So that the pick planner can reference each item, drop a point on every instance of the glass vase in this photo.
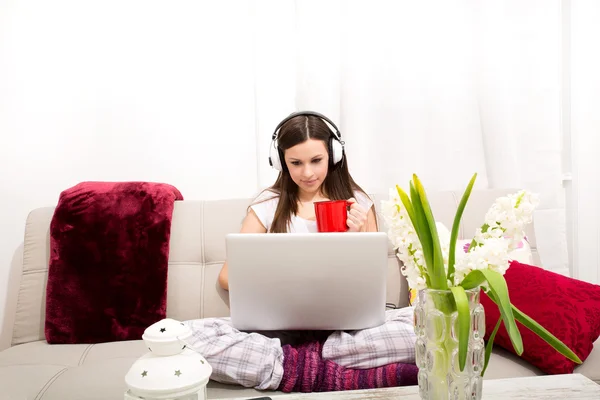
(436, 323)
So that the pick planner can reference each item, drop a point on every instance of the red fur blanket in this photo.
(109, 249)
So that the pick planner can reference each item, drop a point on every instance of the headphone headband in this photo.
(335, 131)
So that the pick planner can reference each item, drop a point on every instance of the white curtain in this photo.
(189, 93)
(520, 91)
(585, 131)
(442, 89)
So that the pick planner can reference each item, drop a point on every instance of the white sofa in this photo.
(32, 369)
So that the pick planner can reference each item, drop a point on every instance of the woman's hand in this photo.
(357, 217)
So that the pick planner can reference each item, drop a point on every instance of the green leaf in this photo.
(464, 323)
(473, 243)
(499, 294)
(548, 337)
(456, 225)
(490, 344)
(438, 258)
(412, 214)
(406, 201)
(423, 232)
(472, 280)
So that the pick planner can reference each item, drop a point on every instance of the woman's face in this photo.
(308, 164)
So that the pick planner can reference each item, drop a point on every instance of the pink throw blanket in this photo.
(304, 370)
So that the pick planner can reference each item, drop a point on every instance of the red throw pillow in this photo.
(566, 307)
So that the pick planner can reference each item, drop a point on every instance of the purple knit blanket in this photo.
(304, 370)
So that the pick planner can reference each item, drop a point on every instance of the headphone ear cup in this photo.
(274, 159)
(337, 150)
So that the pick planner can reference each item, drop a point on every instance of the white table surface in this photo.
(570, 386)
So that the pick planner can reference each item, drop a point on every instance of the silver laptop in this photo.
(307, 281)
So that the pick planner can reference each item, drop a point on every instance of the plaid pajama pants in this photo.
(255, 359)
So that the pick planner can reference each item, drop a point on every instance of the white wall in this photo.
(117, 90)
(585, 132)
(189, 92)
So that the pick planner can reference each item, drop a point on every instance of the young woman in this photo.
(313, 167)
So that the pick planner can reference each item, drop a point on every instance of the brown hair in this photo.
(338, 184)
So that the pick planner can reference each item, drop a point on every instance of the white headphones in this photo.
(335, 145)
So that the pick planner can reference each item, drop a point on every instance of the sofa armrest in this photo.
(12, 294)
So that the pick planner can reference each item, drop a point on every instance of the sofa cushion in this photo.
(591, 366)
(49, 371)
(25, 382)
(43, 371)
(40, 353)
(504, 364)
(567, 307)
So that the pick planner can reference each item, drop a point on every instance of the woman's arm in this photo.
(251, 224)
(371, 224)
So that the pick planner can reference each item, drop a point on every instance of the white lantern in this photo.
(170, 370)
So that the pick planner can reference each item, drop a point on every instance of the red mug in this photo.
(332, 215)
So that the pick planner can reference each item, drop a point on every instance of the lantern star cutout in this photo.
(178, 373)
(144, 374)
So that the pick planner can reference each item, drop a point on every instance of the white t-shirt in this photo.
(265, 210)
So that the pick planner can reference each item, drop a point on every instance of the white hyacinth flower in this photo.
(492, 254)
(502, 231)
